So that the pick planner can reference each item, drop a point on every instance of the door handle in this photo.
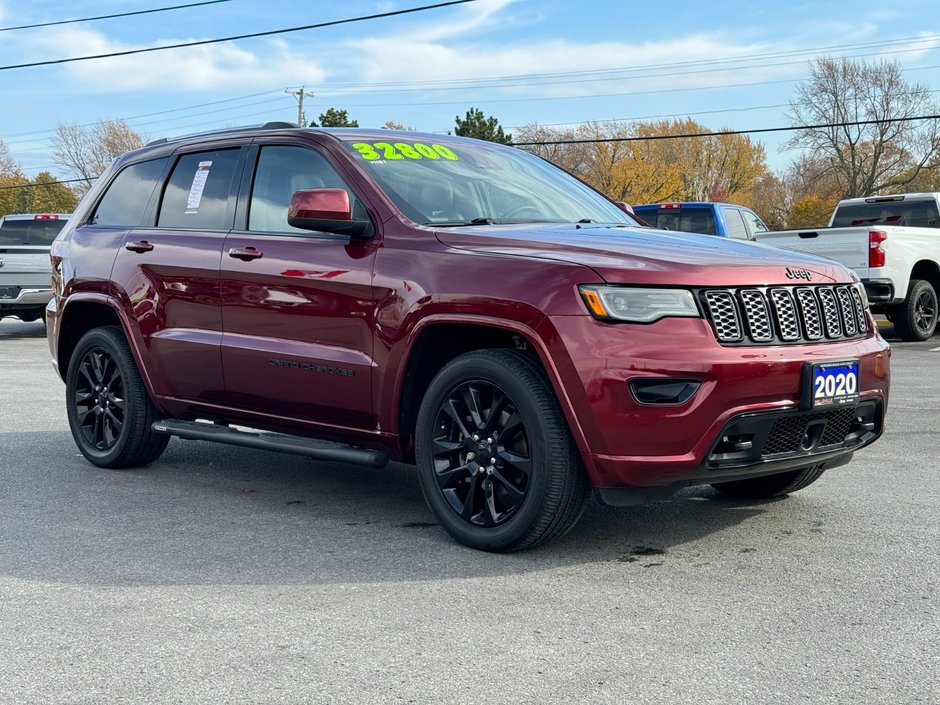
(142, 246)
(245, 253)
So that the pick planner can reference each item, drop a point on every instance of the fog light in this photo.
(663, 391)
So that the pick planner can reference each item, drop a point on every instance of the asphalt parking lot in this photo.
(224, 575)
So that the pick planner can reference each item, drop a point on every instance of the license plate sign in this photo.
(830, 384)
(9, 292)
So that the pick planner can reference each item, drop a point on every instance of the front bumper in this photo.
(745, 391)
(767, 443)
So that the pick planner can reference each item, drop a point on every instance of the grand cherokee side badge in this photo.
(799, 274)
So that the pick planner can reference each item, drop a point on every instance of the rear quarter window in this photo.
(127, 198)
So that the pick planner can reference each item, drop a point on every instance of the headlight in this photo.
(864, 294)
(622, 303)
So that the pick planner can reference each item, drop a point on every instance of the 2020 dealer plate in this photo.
(830, 384)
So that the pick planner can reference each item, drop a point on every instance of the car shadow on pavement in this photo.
(15, 329)
(211, 514)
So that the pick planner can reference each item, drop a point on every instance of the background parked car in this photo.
(25, 270)
(722, 219)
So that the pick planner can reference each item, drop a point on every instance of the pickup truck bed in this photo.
(893, 244)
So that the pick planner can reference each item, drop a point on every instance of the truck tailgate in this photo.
(848, 246)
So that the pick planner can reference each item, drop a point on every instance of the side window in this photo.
(198, 192)
(126, 199)
(280, 172)
(733, 223)
(754, 224)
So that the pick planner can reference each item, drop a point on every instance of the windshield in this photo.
(688, 219)
(921, 214)
(30, 232)
(459, 182)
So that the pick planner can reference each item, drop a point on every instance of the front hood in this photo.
(626, 255)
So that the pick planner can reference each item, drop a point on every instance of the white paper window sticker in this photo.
(199, 185)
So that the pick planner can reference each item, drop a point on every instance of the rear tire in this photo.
(496, 461)
(771, 486)
(916, 318)
(110, 413)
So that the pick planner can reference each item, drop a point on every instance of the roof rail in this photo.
(274, 125)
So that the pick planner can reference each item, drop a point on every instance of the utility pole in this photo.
(299, 93)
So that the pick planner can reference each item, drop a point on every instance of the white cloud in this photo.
(210, 67)
(385, 60)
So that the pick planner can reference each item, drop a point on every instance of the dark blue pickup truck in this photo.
(722, 219)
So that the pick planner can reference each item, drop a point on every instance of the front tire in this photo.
(771, 486)
(916, 318)
(496, 461)
(110, 414)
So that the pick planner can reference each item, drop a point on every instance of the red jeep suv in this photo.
(366, 295)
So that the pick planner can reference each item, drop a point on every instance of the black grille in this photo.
(761, 316)
(787, 433)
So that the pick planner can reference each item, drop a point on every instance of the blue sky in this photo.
(726, 64)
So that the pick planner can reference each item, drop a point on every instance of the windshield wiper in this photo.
(461, 223)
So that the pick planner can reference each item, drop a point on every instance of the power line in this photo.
(269, 33)
(109, 17)
(652, 138)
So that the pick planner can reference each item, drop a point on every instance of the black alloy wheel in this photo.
(925, 312)
(481, 453)
(496, 461)
(916, 318)
(99, 399)
(110, 413)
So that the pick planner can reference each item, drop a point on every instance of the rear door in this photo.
(167, 271)
(297, 306)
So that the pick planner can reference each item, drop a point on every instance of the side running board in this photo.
(314, 448)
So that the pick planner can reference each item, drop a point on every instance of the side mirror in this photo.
(326, 210)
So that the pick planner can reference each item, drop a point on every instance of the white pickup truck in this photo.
(893, 244)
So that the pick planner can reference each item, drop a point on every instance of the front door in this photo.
(297, 306)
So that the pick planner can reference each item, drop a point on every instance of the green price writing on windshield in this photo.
(403, 150)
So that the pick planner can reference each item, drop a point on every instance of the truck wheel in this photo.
(916, 318)
(496, 461)
(109, 411)
(771, 486)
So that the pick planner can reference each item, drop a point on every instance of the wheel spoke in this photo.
(450, 409)
(490, 503)
(466, 511)
(96, 367)
(85, 370)
(83, 414)
(97, 433)
(472, 400)
(514, 493)
(496, 410)
(520, 462)
(444, 448)
(512, 426)
(449, 476)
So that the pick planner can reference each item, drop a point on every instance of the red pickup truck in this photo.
(366, 295)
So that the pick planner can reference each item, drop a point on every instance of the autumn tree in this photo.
(334, 117)
(888, 152)
(11, 182)
(46, 194)
(83, 151)
(393, 125)
(653, 162)
(475, 124)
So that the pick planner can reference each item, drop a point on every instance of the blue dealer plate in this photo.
(830, 384)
